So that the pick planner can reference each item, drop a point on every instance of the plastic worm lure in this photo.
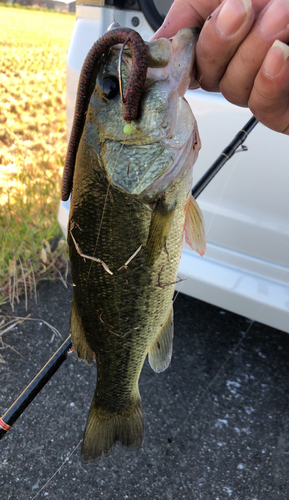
(131, 95)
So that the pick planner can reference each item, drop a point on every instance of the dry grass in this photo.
(32, 146)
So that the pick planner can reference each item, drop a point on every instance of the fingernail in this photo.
(232, 15)
(275, 19)
(275, 59)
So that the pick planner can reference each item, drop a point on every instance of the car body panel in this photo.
(246, 206)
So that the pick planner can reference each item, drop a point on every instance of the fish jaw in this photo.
(180, 57)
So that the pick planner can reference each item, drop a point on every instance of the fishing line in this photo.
(63, 463)
(105, 201)
(190, 412)
(129, 129)
(222, 193)
(178, 291)
(64, 350)
(217, 374)
(214, 214)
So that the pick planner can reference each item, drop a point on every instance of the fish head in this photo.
(164, 140)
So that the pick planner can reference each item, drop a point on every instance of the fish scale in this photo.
(122, 232)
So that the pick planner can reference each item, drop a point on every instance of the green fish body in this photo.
(127, 219)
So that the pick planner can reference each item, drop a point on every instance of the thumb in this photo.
(269, 99)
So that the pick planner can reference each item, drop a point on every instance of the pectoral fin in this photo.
(160, 352)
(79, 342)
(159, 230)
(195, 227)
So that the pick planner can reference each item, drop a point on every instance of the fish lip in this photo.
(180, 68)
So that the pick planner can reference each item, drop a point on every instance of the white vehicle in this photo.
(246, 206)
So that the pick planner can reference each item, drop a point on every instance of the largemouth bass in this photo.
(130, 206)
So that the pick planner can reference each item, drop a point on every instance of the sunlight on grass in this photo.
(32, 146)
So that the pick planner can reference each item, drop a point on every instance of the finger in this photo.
(238, 80)
(220, 38)
(269, 99)
(185, 14)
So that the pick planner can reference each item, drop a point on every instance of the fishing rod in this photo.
(64, 351)
(35, 386)
(228, 152)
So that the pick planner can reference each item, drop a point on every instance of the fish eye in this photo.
(110, 87)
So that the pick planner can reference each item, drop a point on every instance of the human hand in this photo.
(241, 52)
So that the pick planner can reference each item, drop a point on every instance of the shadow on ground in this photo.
(216, 421)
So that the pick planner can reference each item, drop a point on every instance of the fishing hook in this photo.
(119, 69)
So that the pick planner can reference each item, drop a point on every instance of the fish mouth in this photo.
(162, 144)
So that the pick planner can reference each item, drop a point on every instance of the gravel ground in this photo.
(216, 421)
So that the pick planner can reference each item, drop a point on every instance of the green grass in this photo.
(32, 145)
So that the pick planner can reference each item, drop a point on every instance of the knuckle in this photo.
(234, 94)
(270, 110)
(209, 71)
(262, 101)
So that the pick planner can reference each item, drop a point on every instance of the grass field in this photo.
(32, 145)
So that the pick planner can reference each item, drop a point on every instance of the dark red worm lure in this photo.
(131, 96)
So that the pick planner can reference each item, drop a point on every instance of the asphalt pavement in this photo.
(216, 421)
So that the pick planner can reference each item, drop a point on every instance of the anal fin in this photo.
(195, 227)
(160, 352)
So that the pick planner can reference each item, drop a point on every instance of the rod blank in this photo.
(228, 152)
(35, 386)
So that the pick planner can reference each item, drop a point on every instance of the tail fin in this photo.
(103, 430)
